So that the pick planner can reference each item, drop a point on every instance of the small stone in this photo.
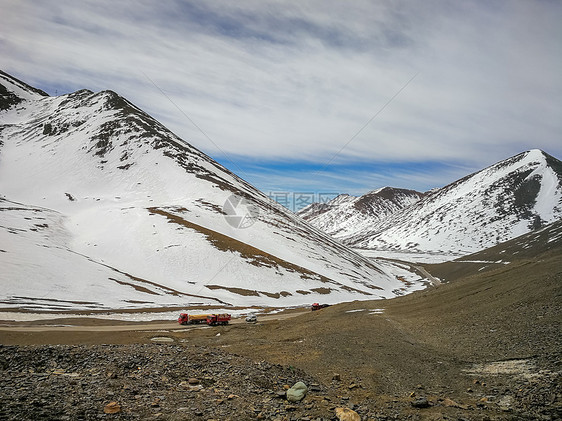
(346, 414)
(193, 380)
(195, 387)
(421, 403)
(451, 403)
(314, 387)
(336, 377)
(112, 408)
(232, 396)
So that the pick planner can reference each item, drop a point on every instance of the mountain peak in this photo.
(390, 192)
(535, 153)
(13, 91)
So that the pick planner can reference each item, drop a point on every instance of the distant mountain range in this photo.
(102, 207)
(345, 214)
(494, 205)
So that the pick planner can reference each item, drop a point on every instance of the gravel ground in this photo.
(163, 381)
(186, 382)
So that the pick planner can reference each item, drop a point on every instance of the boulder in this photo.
(297, 392)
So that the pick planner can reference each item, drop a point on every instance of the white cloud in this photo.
(294, 80)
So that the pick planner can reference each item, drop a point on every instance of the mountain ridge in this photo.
(345, 212)
(496, 204)
(107, 178)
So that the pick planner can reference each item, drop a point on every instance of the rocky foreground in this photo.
(148, 381)
(186, 382)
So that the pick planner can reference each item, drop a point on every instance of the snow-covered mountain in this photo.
(347, 214)
(496, 204)
(103, 207)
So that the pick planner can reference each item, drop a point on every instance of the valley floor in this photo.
(484, 347)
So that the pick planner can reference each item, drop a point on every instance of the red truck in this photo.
(218, 319)
(210, 319)
(317, 306)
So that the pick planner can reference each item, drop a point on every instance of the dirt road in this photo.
(77, 325)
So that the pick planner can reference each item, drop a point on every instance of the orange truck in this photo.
(190, 319)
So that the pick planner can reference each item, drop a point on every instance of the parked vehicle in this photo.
(218, 319)
(189, 319)
(251, 318)
(317, 306)
(210, 319)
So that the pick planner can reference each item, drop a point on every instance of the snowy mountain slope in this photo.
(537, 246)
(348, 215)
(501, 202)
(17, 91)
(41, 270)
(149, 220)
(544, 241)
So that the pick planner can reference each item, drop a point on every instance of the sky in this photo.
(313, 96)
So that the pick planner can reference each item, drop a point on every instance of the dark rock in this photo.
(421, 403)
